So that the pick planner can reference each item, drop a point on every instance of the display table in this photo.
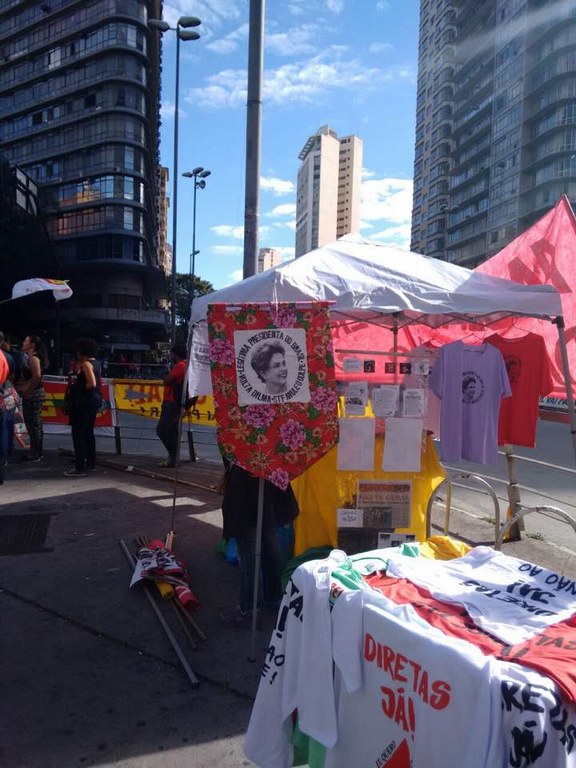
(374, 683)
(323, 489)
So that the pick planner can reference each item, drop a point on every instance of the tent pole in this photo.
(170, 535)
(559, 323)
(257, 561)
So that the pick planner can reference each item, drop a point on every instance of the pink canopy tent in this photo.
(545, 254)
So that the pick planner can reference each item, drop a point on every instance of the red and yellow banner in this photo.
(144, 398)
(52, 406)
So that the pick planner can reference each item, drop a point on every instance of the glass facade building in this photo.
(495, 123)
(79, 113)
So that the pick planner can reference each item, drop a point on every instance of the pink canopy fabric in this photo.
(545, 254)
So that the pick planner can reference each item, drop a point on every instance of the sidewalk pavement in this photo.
(89, 675)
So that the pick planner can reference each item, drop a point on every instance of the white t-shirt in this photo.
(536, 727)
(298, 671)
(511, 599)
(406, 692)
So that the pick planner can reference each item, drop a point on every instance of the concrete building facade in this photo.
(328, 189)
(79, 113)
(268, 258)
(495, 122)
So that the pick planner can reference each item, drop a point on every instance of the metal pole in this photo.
(175, 195)
(257, 563)
(193, 254)
(253, 131)
(559, 322)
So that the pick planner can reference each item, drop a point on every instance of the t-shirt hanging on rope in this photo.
(470, 380)
(272, 369)
(528, 369)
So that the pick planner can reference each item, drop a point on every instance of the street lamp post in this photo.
(183, 32)
(199, 175)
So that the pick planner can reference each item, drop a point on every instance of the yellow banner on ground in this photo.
(144, 397)
(323, 489)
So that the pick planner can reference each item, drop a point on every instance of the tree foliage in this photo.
(185, 294)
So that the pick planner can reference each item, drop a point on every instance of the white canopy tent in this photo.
(383, 286)
(379, 284)
(368, 283)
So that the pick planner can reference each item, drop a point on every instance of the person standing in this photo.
(31, 390)
(240, 518)
(167, 428)
(84, 400)
(8, 402)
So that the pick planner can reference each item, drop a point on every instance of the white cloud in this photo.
(297, 82)
(167, 109)
(212, 12)
(336, 6)
(380, 47)
(386, 200)
(286, 252)
(286, 209)
(286, 224)
(383, 5)
(228, 230)
(297, 41)
(399, 237)
(278, 187)
(227, 250)
(229, 43)
(233, 232)
(234, 277)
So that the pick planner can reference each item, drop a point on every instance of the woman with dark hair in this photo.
(84, 401)
(31, 390)
(269, 363)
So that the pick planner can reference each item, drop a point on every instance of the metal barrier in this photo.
(517, 510)
(448, 483)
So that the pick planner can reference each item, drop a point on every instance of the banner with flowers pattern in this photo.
(278, 358)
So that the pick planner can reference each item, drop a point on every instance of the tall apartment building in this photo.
(79, 113)
(495, 122)
(268, 258)
(328, 189)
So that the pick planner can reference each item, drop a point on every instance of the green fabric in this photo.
(307, 751)
(314, 553)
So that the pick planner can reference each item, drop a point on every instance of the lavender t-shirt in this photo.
(470, 380)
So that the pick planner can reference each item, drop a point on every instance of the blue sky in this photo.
(351, 64)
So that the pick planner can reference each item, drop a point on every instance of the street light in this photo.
(199, 175)
(183, 32)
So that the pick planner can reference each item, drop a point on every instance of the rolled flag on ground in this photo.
(60, 288)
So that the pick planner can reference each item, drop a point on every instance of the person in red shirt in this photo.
(167, 429)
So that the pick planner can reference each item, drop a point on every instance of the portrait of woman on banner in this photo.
(271, 368)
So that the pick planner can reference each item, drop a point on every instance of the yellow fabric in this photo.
(443, 548)
(322, 489)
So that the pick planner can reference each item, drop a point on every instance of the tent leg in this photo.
(559, 322)
(515, 530)
(257, 562)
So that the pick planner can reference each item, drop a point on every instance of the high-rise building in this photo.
(79, 113)
(328, 189)
(495, 122)
(268, 258)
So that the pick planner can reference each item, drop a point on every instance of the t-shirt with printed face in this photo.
(470, 380)
(528, 369)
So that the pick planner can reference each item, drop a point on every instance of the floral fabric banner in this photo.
(272, 369)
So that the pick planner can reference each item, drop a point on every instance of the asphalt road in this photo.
(546, 474)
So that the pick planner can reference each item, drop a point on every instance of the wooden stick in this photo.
(192, 677)
(186, 614)
(179, 608)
